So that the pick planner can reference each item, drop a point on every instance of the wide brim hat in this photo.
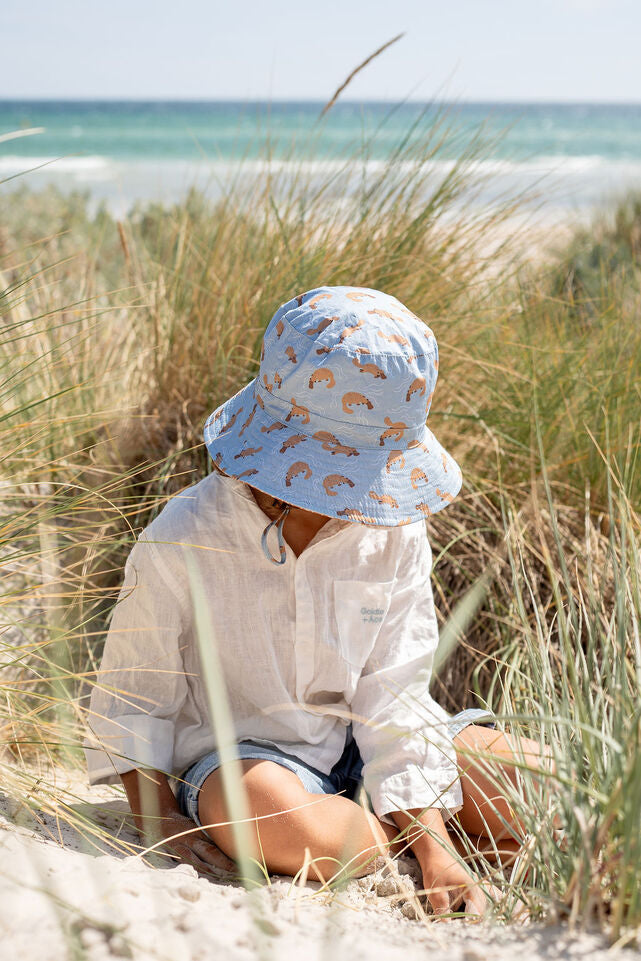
(334, 422)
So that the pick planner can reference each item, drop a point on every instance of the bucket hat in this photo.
(334, 422)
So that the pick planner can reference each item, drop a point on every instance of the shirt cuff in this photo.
(412, 789)
(121, 744)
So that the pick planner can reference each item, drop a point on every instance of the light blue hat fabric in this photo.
(335, 420)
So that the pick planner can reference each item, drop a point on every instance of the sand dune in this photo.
(64, 897)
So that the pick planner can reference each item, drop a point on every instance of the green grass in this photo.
(118, 339)
(569, 675)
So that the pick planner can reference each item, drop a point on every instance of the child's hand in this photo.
(160, 822)
(447, 881)
(193, 847)
(448, 884)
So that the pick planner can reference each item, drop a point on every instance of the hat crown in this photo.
(353, 355)
(334, 422)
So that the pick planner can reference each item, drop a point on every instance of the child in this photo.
(327, 648)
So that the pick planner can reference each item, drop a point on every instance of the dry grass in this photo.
(118, 339)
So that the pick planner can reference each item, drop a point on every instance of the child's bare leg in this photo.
(491, 763)
(335, 829)
(502, 853)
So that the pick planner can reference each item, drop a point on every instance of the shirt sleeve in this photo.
(409, 760)
(141, 685)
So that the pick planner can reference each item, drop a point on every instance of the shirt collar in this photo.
(241, 489)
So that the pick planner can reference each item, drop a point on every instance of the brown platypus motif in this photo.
(291, 353)
(276, 426)
(386, 313)
(348, 331)
(248, 421)
(394, 338)
(247, 452)
(418, 476)
(355, 515)
(298, 467)
(369, 369)
(314, 302)
(298, 411)
(231, 422)
(323, 325)
(324, 375)
(383, 498)
(358, 295)
(418, 443)
(394, 429)
(418, 384)
(395, 459)
(333, 445)
(335, 480)
(353, 398)
(293, 441)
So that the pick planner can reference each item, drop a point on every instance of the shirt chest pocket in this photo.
(360, 609)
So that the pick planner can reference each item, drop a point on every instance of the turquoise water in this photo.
(121, 152)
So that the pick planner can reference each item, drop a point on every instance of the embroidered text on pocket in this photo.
(360, 608)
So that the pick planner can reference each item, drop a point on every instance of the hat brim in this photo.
(387, 486)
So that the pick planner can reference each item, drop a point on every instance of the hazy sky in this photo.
(294, 49)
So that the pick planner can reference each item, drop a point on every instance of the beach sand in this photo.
(64, 897)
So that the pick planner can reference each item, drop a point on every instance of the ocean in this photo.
(569, 158)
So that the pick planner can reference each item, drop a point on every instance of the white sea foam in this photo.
(15, 164)
(78, 165)
(565, 181)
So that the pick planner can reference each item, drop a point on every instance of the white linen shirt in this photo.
(346, 631)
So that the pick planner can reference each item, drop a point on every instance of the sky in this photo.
(479, 50)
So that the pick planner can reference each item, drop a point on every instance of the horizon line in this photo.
(317, 102)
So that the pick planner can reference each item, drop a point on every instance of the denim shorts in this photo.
(344, 776)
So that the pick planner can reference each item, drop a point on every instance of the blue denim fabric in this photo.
(344, 776)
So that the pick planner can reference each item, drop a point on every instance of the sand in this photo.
(63, 897)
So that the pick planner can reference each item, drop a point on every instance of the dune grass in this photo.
(117, 340)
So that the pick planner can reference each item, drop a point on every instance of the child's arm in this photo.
(409, 757)
(158, 818)
(141, 685)
(136, 698)
(447, 881)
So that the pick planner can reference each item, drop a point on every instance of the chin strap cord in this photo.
(279, 521)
